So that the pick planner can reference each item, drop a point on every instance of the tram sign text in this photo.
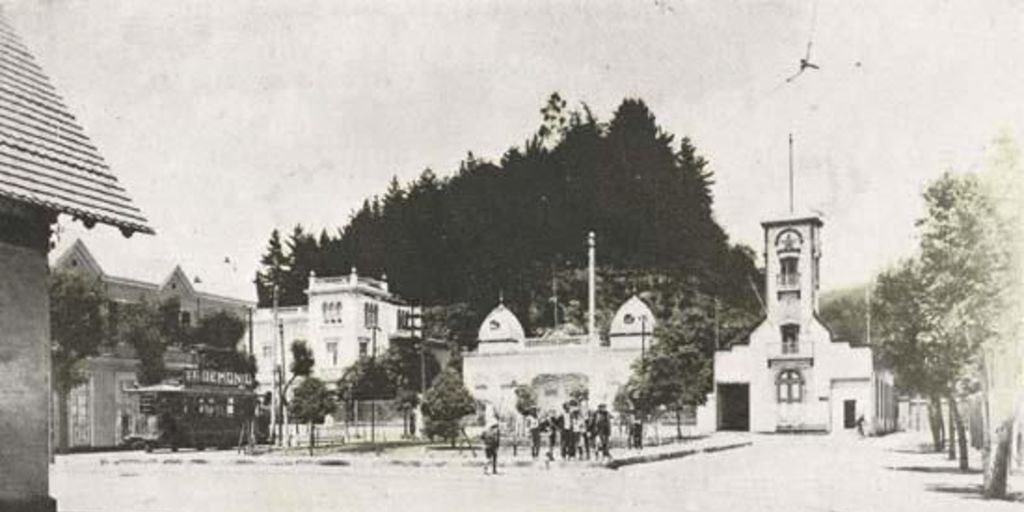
(217, 378)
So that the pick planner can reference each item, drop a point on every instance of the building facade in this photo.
(101, 413)
(788, 373)
(345, 318)
(556, 364)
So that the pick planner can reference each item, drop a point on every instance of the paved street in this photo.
(776, 473)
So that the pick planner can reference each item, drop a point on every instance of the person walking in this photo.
(579, 433)
(565, 429)
(554, 429)
(603, 429)
(492, 441)
(638, 433)
(533, 428)
(588, 434)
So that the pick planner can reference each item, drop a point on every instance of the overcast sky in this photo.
(226, 119)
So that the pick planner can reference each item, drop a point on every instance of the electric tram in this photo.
(208, 409)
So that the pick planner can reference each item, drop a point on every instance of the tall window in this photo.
(186, 318)
(370, 310)
(364, 344)
(332, 351)
(790, 385)
(789, 274)
(790, 339)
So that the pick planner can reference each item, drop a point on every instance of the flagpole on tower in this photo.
(791, 172)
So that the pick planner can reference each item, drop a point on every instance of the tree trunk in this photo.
(997, 471)
(679, 428)
(957, 422)
(62, 412)
(951, 436)
(935, 420)
(312, 438)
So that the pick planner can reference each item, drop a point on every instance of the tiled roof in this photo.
(45, 157)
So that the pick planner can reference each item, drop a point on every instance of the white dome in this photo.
(632, 319)
(501, 325)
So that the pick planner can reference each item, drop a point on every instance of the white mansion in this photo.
(345, 317)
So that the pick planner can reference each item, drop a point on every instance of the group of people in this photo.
(577, 433)
(573, 433)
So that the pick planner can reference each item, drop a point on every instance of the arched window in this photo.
(790, 385)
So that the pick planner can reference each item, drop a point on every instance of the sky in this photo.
(227, 119)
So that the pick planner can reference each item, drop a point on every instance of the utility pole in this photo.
(591, 293)
(867, 307)
(373, 369)
(275, 408)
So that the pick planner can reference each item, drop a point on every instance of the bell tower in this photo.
(792, 252)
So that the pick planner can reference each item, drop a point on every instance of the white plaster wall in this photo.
(859, 390)
(605, 368)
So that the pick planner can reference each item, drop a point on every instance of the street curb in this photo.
(657, 457)
(421, 463)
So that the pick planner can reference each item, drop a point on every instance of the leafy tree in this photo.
(445, 403)
(526, 400)
(962, 258)
(77, 327)
(311, 403)
(167, 320)
(221, 330)
(676, 372)
(301, 365)
(506, 227)
(367, 379)
(904, 341)
(274, 264)
(845, 313)
(409, 371)
(144, 327)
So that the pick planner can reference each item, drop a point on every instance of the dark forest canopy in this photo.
(509, 226)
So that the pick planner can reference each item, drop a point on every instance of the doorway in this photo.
(849, 413)
(734, 407)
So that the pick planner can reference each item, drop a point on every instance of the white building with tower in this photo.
(789, 373)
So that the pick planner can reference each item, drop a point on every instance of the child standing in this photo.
(492, 440)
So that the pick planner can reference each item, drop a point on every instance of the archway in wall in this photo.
(554, 389)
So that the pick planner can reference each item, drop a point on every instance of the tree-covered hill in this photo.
(510, 226)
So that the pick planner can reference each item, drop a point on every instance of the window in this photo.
(231, 406)
(186, 318)
(332, 351)
(790, 339)
(405, 319)
(370, 310)
(364, 343)
(332, 312)
(789, 274)
(790, 386)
